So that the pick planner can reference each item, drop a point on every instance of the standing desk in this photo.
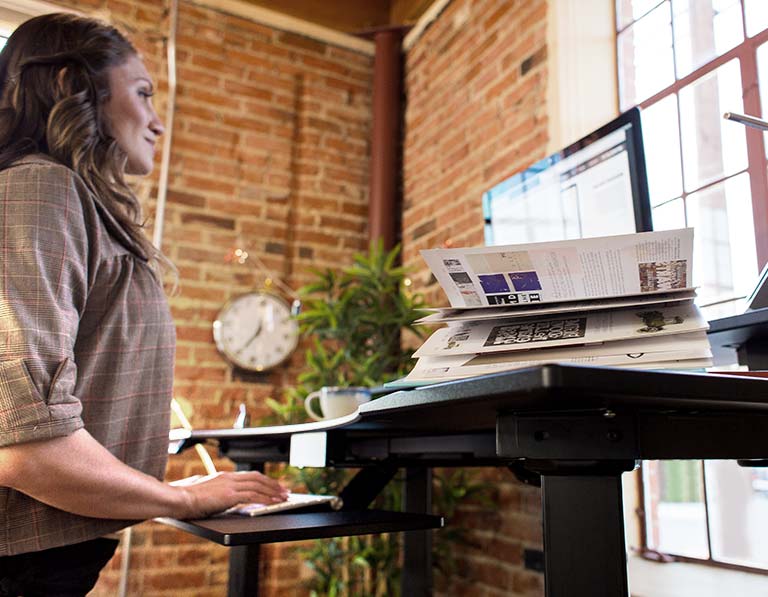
(574, 429)
(746, 334)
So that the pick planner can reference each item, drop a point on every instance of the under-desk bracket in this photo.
(592, 436)
(368, 483)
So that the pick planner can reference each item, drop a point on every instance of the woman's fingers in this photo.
(220, 491)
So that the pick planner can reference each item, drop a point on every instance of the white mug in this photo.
(336, 401)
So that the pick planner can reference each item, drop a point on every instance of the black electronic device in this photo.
(758, 298)
(596, 186)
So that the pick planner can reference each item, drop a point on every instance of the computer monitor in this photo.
(596, 186)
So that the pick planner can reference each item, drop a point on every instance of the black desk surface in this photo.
(474, 404)
(298, 526)
(575, 427)
(737, 330)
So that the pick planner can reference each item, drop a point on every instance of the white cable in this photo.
(126, 560)
(210, 468)
(157, 231)
(162, 186)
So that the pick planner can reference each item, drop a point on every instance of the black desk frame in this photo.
(577, 429)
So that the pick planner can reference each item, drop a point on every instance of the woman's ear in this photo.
(61, 85)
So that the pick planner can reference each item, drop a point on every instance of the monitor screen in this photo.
(594, 187)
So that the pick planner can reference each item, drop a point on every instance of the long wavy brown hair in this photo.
(53, 87)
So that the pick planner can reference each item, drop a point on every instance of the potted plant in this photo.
(358, 321)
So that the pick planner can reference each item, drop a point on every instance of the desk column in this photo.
(584, 547)
(580, 459)
(244, 559)
(416, 580)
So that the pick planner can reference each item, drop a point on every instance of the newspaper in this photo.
(684, 350)
(482, 337)
(453, 315)
(571, 270)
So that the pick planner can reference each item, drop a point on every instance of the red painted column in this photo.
(386, 143)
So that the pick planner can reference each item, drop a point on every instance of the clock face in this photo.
(255, 331)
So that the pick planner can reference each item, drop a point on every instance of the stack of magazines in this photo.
(620, 301)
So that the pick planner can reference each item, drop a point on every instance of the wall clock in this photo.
(255, 331)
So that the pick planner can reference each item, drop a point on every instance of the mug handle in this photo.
(307, 405)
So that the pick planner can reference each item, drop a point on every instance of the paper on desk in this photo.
(482, 337)
(648, 353)
(292, 502)
(454, 315)
(564, 270)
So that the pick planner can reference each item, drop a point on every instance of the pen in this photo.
(757, 123)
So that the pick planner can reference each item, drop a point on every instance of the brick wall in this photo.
(270, 153)
(476, 113)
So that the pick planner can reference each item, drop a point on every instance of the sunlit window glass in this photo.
(724, 262)
(756, 14)
(645, 57)
(704, 29)
(661, 140)
(738, 512)
(675, 514)
(631, 10)
(669, 215)
(712, 147)
(762, 77)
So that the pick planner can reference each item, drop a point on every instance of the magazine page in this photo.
(691, 341)
(564, 270)
(454, 315)
(480, 337)
(461, 366)
(620, 353)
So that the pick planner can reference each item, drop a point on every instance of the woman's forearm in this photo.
(77, 474)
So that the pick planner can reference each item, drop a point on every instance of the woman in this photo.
(86, 338)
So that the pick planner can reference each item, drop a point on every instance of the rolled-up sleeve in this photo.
(44, 252)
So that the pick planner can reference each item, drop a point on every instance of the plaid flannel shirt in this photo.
(86, 340)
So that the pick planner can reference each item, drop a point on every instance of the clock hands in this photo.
(251, 339)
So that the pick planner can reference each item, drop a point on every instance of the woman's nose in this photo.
(156, 125)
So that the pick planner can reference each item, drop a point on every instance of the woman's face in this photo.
(131, 119)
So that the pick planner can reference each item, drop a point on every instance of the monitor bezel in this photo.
(641, 201)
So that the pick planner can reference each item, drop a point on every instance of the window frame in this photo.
(757, 170)
(757, 165)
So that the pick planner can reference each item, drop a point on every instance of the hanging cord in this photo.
(206, 459)
(157, 231)
(241, 255)
(162, 186)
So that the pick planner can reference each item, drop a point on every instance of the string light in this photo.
(241, 256)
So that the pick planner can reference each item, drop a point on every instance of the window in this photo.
(685, 63)
(15, 12)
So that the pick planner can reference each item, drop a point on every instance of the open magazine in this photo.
(668, 352)
(559, 271)
(455, 315)
(622, 301)
(557, 330)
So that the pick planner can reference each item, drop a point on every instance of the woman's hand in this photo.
(219, 491)
(77, 474)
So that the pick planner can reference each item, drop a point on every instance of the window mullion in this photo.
(756, 154)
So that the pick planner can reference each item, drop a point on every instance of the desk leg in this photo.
(416, 579)
(243, 571)
(584, 548)
(753, 354)
(244, 560)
